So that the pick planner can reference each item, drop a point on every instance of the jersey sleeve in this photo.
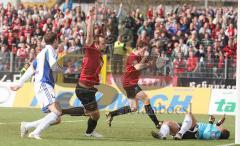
(26, 76)
(52, 58)
(53, 63)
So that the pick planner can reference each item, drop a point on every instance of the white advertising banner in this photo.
(7, 96)
(223, 101)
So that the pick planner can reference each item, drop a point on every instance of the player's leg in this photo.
(92, 123)
(133, 105)
(188, 123)
(167, 128)
(51, 118)
(87, 97)
(148, 108)
(75, 111)
(46, 96)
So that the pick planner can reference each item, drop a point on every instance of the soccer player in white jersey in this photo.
(42, 68)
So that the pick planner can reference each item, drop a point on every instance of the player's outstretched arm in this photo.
(26, 76)
(90, 23)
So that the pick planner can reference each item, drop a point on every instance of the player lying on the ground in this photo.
(191, 129)
(136, 61)
(42, 67)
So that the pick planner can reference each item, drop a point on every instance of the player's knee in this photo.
(188, 119)
(146, 101)
(95, 115)
(58, 112)
(58, 121)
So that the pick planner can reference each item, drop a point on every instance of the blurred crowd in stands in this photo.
(186, 41)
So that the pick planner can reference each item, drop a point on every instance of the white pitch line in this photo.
(230, 144)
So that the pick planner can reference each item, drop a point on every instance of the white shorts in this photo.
(45, 95)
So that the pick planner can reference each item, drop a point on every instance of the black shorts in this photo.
(87, 97)
(191, 133)
(132, 91)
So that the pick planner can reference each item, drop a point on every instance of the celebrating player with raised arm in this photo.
(89, 77)
(136, 61)
(42, 67)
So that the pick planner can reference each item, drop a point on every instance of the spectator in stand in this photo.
(22, 54)
(183, 48)
(206, 41)
(192, 65)
(145, 27)
(118, 54)
(179, 65)
(162, 64)
(231, 31)
(4, 57)
(24, 69)
(220, 66)
(230, 49)
(209, 62)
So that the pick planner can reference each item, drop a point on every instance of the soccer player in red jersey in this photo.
(136, 61)
(89, 77)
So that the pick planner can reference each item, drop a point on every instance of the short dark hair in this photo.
(224, 134)
(50, 37)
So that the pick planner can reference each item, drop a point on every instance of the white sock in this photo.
(33, 124)
(45, 123)
(186, 125)
(164, 130)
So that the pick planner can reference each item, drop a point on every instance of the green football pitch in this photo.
(132, 129)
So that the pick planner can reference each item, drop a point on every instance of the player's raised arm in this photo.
(90, 23)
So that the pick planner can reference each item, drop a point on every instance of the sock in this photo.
(75, 111)
(151, 114)
(164, 130)
(91, 125)
(121, 111)
(33, 124)
(46, 122)
(186, 125)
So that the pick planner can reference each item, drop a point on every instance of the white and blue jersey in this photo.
(44, 65)
(208, 131)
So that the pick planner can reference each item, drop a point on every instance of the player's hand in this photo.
(221, 121)
(211, 119)
(15, 88)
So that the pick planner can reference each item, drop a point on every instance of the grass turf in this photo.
(131, 129)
